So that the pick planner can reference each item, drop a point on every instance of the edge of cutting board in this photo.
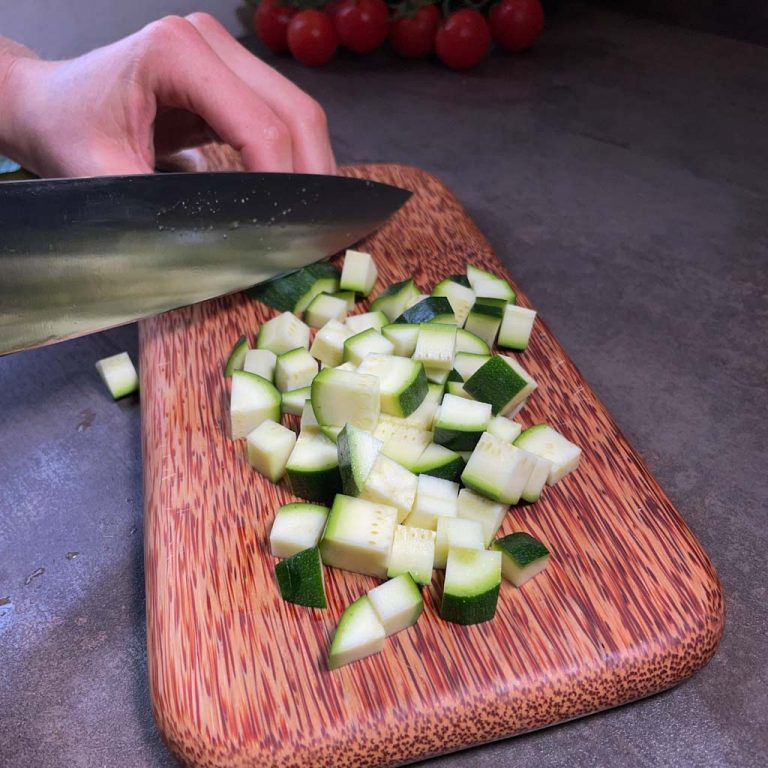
(661, 617)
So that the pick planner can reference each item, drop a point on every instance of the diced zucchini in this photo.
(454, 376)
(331, 432)
(466, 363)
(537, 479)
(300, 579)
(486, 284)
(460, 297)
(358, 635)
(461, 422)
(484, 319)
(516, 327)
(343, 397)
(435, 498)
(435, 393)
(369, 342)
(522, 557)
(490, 514)
(293, 401)
(403, 337)
(392, 301)
(398, 603)
(328, 346)
(313, 468)
(269, 446)
(471, 587)
(283, 333)
(323, 308)
(386, 427)
(358, 536)
(456, 388)
(542, 440)
(347, 367)
(423, 416)
(119, 375)
(293, 292)
(406, 446)
(253, 400)
(358, 451)
(436, 375)
(505, 429)
(360, 323)
(432, 309)
(468, 342)
(262, 362)
(347, 296)
(419, 297)
(402, 382)
(438, 461)
(359, 273)
(502, 382)
(391, 484)
(309, 422)
(460, 279)
(436, 346)
(234, 362)
(497, 469)
(456, 532)
(413, 552)
(295, 369)
(297, 527)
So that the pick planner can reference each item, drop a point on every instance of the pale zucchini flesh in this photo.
(313, 468)
(328, 345)
(297, 526)
(490, 514)
(358, 451)
(471, 586)
(435, 498)
(391, 484)
(359, 273)
(456, 532)
(283, 333)
(358, 635)
(261, 362)
(413, 552)
(341, 397)
(269, 447)
(366, 321)
(516, 327)
(402, 382)
(542, 440)
(295, 370)
(523, 557)
(119, 375)
(324, 308)
(398, 603)
(253, 400)
(357, 347)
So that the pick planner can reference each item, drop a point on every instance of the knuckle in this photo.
(168, 30)
(275, 134)
(312, 115)
(202, 20)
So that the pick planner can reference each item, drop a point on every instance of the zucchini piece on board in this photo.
(359, 634)
(297, 527)
(253, 400)
(413, 552)
(300, 579)
(471, 587)
(523, 557)
(398, 603)
(293, 292)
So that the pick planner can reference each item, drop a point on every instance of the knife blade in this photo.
(82, 255)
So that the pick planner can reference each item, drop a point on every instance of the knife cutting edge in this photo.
(83, 255)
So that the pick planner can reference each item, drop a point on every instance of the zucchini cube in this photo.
(297, 527)
(471, 587)
(121, 379)
(402, 382)
(497, 469)
(295, 369)
(436, 346)
(484, 319)
(466, 363)
(461, 422)
(341, 397)
(523, 557)
(391, 484)
(283, 333)
(252, 401)
(359, 273)
(328, 346)
(460, 297)
(393, 299)
(427, 309)
(269, 447)
(548, 443)
(397, 603)
(403, 336)
(261, 362)
(368, 342)
(456, 532)
(502, 382)
(358, 536)
(406, 445)
(366, 321)
(490, 514)
(359, 634)
(504, 428)
(516, 327)
(313, 467)
(324, 308)
(300, 579)
(413, 552)
(438, 461)
(435, 498)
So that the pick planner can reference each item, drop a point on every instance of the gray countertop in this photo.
(621, 172)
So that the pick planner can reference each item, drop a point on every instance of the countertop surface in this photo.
(621, 173)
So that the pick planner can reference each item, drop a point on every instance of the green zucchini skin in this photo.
(236, 357)
(300, 579)
(426, 311)
(320, 485)
(496, 383)
(470, 610)
(460, 279)
(285, 293)
(451, 470)
(456, 439)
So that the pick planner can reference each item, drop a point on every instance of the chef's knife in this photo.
(82, 255)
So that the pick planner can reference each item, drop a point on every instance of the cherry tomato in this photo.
(311, 37)
(413, 37)
(463, 40)
(516, 24)
(361, 25)
(271, 24)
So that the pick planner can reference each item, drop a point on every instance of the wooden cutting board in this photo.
(630, 604)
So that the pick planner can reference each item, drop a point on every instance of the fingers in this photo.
(304, 117)
(184, 72)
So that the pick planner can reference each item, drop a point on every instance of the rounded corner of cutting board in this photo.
(661, 621)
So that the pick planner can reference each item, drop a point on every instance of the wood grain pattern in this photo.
(630, 604)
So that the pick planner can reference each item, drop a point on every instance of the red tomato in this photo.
(516, 24)
(413, 37)
(271, 24)
(311, 37)
(332, 7)
(464, 40)
(361, 25)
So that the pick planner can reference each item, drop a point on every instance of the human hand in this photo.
(175, 84)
